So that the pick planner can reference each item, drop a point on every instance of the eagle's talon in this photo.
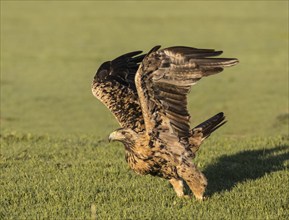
(187, 197)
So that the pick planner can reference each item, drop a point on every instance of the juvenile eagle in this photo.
(148, 96)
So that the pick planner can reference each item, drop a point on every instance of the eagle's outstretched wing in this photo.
(114, 85)
(163, 81)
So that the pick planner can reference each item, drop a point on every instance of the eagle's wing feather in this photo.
(163, 81)
(114, 86)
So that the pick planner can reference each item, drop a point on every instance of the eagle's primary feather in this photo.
(148, 96)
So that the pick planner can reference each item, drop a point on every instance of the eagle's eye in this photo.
(123, 132)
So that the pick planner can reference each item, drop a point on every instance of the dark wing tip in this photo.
(154, 49)
(128, 55)
(121, 69)
(212, 124)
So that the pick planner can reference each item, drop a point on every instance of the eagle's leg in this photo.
(194, 178)
(178, 187)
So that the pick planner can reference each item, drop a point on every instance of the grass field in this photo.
(56, 162)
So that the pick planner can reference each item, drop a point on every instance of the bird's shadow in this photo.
(230, 170)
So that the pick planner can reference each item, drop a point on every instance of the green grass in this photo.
(61, 178)
(55, 160)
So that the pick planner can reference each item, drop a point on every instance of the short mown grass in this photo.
(55, 160)
(44, 177)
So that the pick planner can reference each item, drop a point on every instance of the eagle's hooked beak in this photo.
(115, 136)
(110, 137)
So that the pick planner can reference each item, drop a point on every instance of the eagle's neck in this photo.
(129, 145)
(138, 146)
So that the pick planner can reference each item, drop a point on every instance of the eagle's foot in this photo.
(200, 197)
(178, 187)
(196, 181)
(186, 196)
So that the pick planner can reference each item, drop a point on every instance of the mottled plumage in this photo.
(148, 96)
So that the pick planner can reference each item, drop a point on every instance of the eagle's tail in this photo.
(205, 129)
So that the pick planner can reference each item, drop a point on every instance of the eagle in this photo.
(147, 94)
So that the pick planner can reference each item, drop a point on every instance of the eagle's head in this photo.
(125, 135)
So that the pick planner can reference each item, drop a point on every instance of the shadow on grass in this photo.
(230, 170)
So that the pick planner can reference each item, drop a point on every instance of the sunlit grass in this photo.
(61, 178)
(55, 160)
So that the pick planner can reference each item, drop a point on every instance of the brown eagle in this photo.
(148, 96)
